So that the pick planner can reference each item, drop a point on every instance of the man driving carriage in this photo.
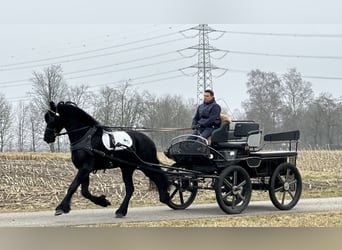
(207, 116)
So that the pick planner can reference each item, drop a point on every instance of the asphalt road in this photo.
(106, 216)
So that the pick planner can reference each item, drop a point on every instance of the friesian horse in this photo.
(89, 154)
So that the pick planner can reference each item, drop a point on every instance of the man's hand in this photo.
(195, 126)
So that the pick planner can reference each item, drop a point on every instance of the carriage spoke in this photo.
(293, 182)
(233, 202)
(173, 193)
(181, 197)
(278, 189)
(235, 178)
(226, 195)
(242, 184)
(228, 184)
(290, 194)
(283, 199)
(242, 197)
(287, 174)
(279, 177)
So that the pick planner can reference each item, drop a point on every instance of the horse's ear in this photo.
(53, 106)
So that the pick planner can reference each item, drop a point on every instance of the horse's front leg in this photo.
(98, 200)
(127, 174)
(64, 206)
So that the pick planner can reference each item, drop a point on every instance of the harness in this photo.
(85, 141)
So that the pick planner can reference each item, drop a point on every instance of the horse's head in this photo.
(54, 123)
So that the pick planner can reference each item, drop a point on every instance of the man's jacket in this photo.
(207, 115)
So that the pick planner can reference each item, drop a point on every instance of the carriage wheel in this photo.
(233, 190)
(182, 191)
(285, 186)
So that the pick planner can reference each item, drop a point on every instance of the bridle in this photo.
(67, 132)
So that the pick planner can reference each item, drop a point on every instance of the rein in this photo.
(144, 129)
(71, 131)
(141, 129)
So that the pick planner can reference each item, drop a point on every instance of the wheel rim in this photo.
(182, 190)
(181, 193)
(234, 190)
(286, 187)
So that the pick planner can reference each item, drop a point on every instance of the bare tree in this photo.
(167, 111)
(48, 85)
(80, 95)
(21, 120)
(36, 125)
(132, 105)
(120, 106)
(297, 94)
(106, 106)
(323, 121)
(264, 103)
(5, 122)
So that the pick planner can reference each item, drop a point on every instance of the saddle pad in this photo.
(110, 139)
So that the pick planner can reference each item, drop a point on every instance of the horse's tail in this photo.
(147, 151)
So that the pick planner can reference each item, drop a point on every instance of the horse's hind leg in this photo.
(161, 182)
(127, 175)
(64, 206)
(98, 200)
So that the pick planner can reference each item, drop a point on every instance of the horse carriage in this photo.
(234, 162)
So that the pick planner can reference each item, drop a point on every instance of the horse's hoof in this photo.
(119, 215)
(59, 212)
(103, 201)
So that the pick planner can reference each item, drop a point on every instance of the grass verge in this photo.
(322, 219)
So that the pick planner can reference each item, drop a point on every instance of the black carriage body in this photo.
(240, 149)
(231, 147)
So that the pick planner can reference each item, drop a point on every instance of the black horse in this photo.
(89, 154)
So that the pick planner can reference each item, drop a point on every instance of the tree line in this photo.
(287, 102)
(278, 103)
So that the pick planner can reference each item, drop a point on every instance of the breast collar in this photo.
(85, 141)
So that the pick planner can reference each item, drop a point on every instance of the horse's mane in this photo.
(73, 110)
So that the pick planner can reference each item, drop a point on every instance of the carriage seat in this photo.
(221, 134)
(223, 138)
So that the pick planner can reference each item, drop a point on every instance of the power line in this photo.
(158, 80)
(323, 77)
(213, 49)
(303, 76)
(93, 56)
(120, 63)
(135, 78)
(281, 55)
(123, 36)
(157, 63)
(130, 68)
(284, 34)
(101, 67)
(24, 98)
(88, 51)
